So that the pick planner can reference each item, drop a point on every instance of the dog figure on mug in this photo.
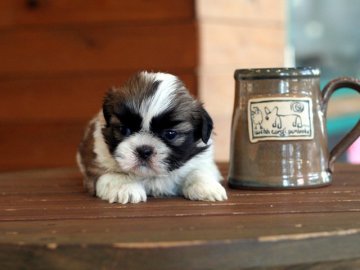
(277, 119)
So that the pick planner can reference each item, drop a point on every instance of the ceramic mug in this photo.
(278, 136)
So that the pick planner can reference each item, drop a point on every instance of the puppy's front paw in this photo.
(201, 190)
(133, 193)
(113, 188)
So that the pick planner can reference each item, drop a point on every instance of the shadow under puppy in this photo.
(151, 138)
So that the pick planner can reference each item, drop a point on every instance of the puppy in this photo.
(151, 138)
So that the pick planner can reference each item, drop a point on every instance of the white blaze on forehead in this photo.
(161, 99)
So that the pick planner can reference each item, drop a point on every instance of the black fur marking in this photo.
(180, 154)
(113, 132)
(128, 118)
(110, 137)
(165, 120)
(207, 126)
(203, 125)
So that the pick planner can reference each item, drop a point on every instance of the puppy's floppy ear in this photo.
(205, 125)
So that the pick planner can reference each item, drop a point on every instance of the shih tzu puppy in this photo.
(151, 138)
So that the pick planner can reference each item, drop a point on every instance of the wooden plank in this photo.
(187, 255)
(6, 10)
(44, 246)
(43, 12)
(44, 99)
(72, 195)
(204, 235)
(170, 229)
(64, 198)
(103, 210)
(98, 48)
(39, 145)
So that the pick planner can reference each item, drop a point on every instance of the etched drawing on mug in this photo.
(280, 119)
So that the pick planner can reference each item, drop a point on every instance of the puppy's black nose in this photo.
(145, 151)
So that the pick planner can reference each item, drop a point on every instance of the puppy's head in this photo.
(153, 125)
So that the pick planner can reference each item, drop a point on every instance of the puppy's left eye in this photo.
(170, 134)
(125, 131)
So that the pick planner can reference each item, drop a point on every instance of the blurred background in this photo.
(58, 57)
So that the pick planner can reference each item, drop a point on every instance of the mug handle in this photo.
(350, 137)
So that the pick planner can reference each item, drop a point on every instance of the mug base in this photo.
(254, 185)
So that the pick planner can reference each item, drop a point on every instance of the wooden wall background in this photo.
(58, 57)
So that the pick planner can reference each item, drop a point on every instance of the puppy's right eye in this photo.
(125, 131)
(170, 135)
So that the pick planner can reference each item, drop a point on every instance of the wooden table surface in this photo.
(47, 221)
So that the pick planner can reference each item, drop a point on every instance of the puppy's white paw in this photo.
(201, 190)
(114, 188)
(133, 193)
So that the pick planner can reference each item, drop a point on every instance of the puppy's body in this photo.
(151, 138)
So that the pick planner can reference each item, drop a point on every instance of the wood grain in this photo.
(44, 99)
(171, 230)
(64, 198)
(48, 13)
(98, 48)
(189, 255)
(39, 145)
(307, 229)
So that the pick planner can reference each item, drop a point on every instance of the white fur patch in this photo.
(198, 179)
(119, 188)
(198, 186)
(126, 156)
(201, 178)
(161, 100)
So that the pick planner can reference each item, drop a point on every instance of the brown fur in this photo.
(88, 160)
(134, 91)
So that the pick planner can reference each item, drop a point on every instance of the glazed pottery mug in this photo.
(278, 136)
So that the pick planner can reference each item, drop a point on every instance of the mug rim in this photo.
(276, 73)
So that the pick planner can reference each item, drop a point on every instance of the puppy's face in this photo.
(153, 125)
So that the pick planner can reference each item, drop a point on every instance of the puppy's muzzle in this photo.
(144, 152)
